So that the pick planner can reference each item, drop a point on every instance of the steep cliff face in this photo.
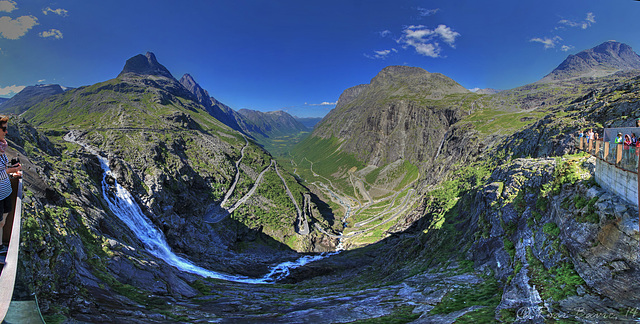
(399, 115)
(562, 244)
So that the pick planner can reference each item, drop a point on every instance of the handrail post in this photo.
(606, 150)
(581, 143)
(618, 153)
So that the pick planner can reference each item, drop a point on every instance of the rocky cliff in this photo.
(405, 113)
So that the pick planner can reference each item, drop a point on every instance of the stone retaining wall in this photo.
(622, 182)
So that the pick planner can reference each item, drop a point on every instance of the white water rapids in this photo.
(124, 206)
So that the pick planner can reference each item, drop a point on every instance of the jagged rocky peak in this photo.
(145, 65)
(201, 94)
(604, 59)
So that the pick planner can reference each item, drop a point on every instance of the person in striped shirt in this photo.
(5, 171)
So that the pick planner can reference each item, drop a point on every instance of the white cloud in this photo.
(324, 103)
(548, 42)
(41, 80)
(566, 48)
(431, 50)
(381, 54)
(448, 35)
(590, 18)
(10, 90)
(7, 6)
(51, 33)
(568, 23)
(385, 33)
(586, 23)
(424, 40)
(16, 28)
(59, 11)
(427, 12)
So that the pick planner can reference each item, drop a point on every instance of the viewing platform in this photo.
(616, 163)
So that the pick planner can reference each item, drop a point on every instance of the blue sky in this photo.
(299, 56)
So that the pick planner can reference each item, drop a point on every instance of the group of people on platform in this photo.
(590, 135)
(628, 141)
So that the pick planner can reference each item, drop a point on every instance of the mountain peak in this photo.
(201, 94)
(604, 59)
(145, 65)
(414, 80)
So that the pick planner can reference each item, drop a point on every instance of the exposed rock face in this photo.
(28, 97)
(604, 59)
(398, 115)
(536, 243)
(145, 65)
(201, 94)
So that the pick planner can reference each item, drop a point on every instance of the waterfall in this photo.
(441, 144)
(122, 204)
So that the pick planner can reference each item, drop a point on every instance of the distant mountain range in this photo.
(259, 125)
(273, 122)
(309, 122)
(251, 122)
(485, 91)
(604, 59)
(28, 97)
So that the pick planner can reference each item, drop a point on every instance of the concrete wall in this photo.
(621, 182)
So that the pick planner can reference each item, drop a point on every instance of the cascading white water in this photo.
(347, 214)
(124, 206)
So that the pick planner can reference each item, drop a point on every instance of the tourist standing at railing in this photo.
(618, 139)
(626, 156)
(634, 140)
(5, 171)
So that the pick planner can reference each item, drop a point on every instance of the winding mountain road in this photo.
(235, 181)
(251, 191)
(302, 226)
